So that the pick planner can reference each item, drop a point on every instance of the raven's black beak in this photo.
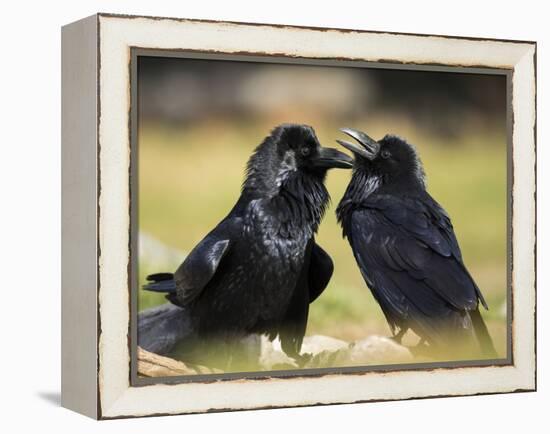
(367, 147)
(330, 157)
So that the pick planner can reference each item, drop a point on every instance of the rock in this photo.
(318, 343)
(326, 352)
(272, 355)
(259, 353)
(153, 365)
(377, 350)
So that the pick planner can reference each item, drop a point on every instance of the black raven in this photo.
(259, 268)
(405, 246)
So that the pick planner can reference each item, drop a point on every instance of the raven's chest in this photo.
(254, 285)
(262, 270)
(274, 267)
(277, 256)
(279, 245)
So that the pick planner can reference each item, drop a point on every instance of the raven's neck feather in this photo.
(262, 170)
(304, 199)
(296, 209)
(361, 186)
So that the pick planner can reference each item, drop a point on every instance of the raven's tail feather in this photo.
(482, 334)
(161, 282)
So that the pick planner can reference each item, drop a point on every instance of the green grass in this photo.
(189, 178)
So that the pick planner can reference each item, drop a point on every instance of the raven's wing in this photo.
(320, 272)
(201, 264)
(408, 254)
(199, 267)
(294, 323)
(314, 278)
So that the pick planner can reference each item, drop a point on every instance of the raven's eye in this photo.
(385, 154)
(305, 151)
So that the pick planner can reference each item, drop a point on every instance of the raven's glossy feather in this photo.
(161, 282)
(200, 266)
(319, 273)
(408, 254)
(160, 328)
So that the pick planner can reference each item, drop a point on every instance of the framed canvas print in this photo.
(262, 216)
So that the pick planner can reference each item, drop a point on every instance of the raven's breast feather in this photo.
(255, 282)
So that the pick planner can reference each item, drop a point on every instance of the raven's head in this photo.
(291, 151)
(389, 162)
(285, 178)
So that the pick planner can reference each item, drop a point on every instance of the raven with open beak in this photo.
(407, 251)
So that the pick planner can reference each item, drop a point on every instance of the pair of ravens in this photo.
(259, 269)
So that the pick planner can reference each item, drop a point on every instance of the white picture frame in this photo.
(96, 212)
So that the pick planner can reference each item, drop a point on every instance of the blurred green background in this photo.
(200, 120)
